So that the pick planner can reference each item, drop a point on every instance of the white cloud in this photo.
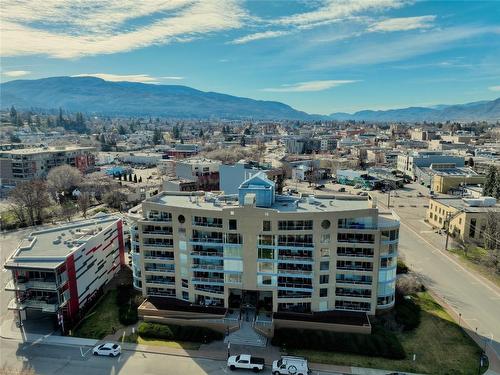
(403, 47)
(63, 29)
(494, 88)
(142, 78)
(336, 10)
(173, 77)
(403, 23)
(309, 86)
(16, 73)
(262, 35)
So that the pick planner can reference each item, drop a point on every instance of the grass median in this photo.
(439, 344)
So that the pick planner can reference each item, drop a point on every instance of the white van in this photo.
(288, 365)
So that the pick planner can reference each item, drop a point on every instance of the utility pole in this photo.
(447, 227)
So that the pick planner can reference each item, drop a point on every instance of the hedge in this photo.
(380, 343)
(175, 332)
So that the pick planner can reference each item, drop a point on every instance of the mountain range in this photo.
(476, 111)
(97, 96)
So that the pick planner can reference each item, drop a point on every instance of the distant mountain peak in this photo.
(483, 110)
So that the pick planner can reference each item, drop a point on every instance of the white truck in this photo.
(245, 361)
(288, 365)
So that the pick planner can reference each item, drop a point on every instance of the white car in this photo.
(108, 349)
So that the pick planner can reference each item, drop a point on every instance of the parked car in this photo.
(245, 361)
(288, 365)
(342, 190)
(108, 349)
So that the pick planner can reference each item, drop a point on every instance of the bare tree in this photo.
(114, 199)
(491, 237)
(97, 184)
(83, 201)
(408, 284)
(68, 210)
(28, 201)
(63, 178)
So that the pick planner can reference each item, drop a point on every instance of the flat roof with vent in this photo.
(50, 247)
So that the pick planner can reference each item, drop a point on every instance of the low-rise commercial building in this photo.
(259, 250)
(464, 218)
(408, 163)
(61, 270)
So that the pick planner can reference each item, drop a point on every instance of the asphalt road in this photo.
(53, 360)
(468, 294)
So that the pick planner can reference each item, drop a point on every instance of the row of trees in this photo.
(33, 202)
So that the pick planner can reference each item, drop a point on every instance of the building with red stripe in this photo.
(61, 270)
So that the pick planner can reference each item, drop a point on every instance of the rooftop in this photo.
(283, 203)
(50, 149)
(449, 170)
(49, 248)
(464, 205)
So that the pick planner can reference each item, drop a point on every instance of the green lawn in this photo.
(441, 347)
(136, 339)
(473, 258)
(101, 320)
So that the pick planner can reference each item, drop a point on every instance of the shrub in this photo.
(127, 306)
(407, 313)
(181, 333)
(401, 267)
(380, 343)
(408, 284)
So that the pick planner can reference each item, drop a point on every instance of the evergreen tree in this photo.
(200, 134)
(140, 179)
(122, 130)
(470, 163)
(135, 178)
(243, 141)
(50, 124)
(60, 118)
(157, 137)
(496, 193)
(13, 115)
(130, 177)
(490, 183)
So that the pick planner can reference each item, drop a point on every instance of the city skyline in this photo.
(320, 57)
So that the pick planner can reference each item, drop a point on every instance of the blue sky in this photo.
(320, 56)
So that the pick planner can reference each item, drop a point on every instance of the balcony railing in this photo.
(33, 304)
(294, 257)
(354, 268)
(158, 244)
(201, 280)
(207, 254)
(354, 282)
(294, 286)
(295, 244)
(356, 255)
(159, 218)
(158, 257)
(32, 284)
(162, 282)
(352, 294)
(207, 224)
(207, 240)
(295, 272)
(207, 267)
(158, 269)
(163, 232)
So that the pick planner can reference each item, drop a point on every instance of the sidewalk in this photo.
(215, 351)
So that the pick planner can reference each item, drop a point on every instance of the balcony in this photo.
(161, 232)
(32, 284)
(366, 293)
(159, 269)
(159, 257)
(295, 272)
(355, 268)
(294, 259)
(33, 304)
(295, 287)
(208, 280)
(298, 245)
(207, 224)
(160, 282)
(147, 245)
(208, 267)
(207, 254)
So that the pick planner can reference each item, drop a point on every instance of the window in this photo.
(324, 279)
(232, 224)
(181, 219)
(325, 224)
(323, 292)
(325, 238)
(472, 228)
(184, 283)
(266, 254)
(266, 226)
(185, 296)
(324, 266)
(325, 252)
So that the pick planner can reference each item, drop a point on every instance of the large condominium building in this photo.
(59, 271)
(284, 254)
(25, 164)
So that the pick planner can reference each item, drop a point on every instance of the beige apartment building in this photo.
(265, 252)
(466, 216)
